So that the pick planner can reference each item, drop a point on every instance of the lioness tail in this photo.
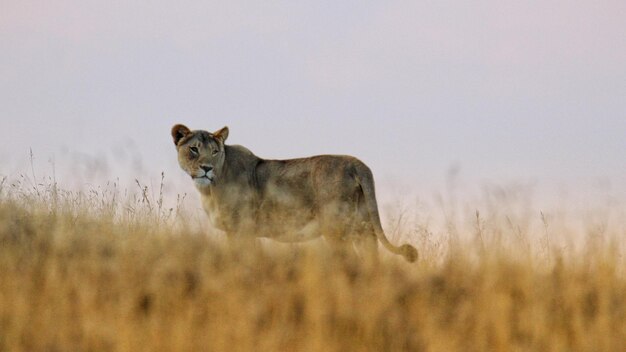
(366, 181)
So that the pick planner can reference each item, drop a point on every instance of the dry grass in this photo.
(109, 271)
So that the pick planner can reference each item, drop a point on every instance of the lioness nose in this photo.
(206, 168)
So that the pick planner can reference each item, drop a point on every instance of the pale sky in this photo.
(507, 91)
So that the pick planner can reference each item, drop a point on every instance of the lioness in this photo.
(286, 200)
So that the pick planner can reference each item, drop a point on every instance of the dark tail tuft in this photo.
(409, 253)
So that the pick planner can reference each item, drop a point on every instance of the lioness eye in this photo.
(194, 150)
(215, 151)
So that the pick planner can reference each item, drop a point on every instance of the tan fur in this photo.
(286, 200)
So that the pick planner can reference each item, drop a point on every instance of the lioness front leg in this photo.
(243, 236)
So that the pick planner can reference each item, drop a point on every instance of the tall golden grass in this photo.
(104, 271)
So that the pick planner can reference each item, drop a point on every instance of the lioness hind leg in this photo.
(365, 241)
(367, 247)
(336, 225)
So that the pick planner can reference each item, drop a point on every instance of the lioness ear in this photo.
(221, 134)
(178, 132)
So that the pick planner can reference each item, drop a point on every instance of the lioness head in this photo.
(200, 153)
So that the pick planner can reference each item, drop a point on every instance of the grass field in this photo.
(108, 271)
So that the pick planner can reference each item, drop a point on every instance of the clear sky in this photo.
(507, 91)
